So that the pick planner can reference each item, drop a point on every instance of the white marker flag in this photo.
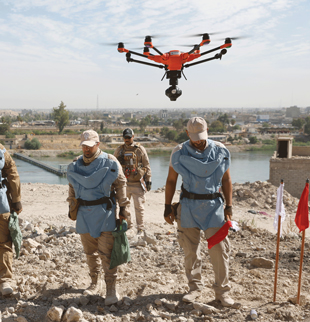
(280, 210)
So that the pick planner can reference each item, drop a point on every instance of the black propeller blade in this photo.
(188, 45)
(236, 38)
(200, 35)
(110, 43)
(152, 36)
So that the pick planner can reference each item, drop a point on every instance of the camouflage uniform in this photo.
(9, 172)
(135, 169)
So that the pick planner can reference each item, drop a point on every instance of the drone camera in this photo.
(173, 92)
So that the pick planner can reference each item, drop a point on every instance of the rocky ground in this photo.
(52, 273)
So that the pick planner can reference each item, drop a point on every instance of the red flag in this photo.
(219, 235)
(302, 214)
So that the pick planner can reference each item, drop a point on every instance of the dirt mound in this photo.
(52, 270)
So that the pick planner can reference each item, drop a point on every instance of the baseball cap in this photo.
(197, 129)
(89, 138)
(128, 132)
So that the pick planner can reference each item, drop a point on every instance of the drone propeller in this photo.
(152, 36)
(235, 38)
(188, 45)
(137, 48)
(110, 43)
(206, 33)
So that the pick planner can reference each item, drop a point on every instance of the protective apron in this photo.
(202, 173)
(4, 203)
(93, 182)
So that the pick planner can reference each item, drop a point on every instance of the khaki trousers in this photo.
(97, 249)
(138, 195)
(6, 251)
(189, 240)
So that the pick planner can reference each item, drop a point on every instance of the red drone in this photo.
(174, 60)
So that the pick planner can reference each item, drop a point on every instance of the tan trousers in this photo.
(189, 240)
(97, 249)
(138, 195)
(6, 251)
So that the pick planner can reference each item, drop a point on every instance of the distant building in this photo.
(293, 111)
(163, 114)
(262, 118)
(128, 115)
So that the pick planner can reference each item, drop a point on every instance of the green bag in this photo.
(121, 249)
(15, 232)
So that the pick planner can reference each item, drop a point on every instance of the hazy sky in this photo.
(50, 51)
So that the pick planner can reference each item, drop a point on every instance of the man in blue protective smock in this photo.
(204, 167)
(97, 181)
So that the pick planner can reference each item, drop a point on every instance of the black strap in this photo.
(197, 196)
(108, 200)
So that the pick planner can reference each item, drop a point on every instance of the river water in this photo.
(245, 166)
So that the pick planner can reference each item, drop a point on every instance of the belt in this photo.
(100, 201)
(197, 196)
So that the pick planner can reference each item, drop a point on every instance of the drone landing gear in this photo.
(173, 92)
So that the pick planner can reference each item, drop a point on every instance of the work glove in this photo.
(228, 213)
(122, 214)
(148, 185)
(168, 215)
(17, 207)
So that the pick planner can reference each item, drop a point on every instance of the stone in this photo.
(158, 302)
(113, 308)
(30, 244)
(262, 262)
(150, 239)
(55, 313)
(204, 308)
(302, 300)
(84, 300)
(73, 315)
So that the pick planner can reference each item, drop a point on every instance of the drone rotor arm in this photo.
(138, 54)
(196, 47)
(129, 59)
(158, 51)
(217, 56)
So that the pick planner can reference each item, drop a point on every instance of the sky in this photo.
(58, 50)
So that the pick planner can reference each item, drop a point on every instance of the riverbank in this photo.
(150, 150)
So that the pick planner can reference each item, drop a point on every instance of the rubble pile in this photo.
(261, 195)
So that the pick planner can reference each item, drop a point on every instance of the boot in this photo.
(95, 287)
(6, 289)
(112, 296)
(225, 299)
(191, 296)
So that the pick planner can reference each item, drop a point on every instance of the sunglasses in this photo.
(127, 137)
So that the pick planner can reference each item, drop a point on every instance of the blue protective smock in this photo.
(202, 173)
(93, 182)
(4, 204)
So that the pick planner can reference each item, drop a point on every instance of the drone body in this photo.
(174, 61)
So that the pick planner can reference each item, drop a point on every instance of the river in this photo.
(245, 166)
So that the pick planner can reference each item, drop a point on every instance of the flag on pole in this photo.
(302, 214)
(280, 210)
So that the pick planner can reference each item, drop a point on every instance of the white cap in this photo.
(197, 129)
(89, 138)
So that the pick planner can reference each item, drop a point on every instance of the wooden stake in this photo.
(300, 265)
(277, 260)
(277, 255)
